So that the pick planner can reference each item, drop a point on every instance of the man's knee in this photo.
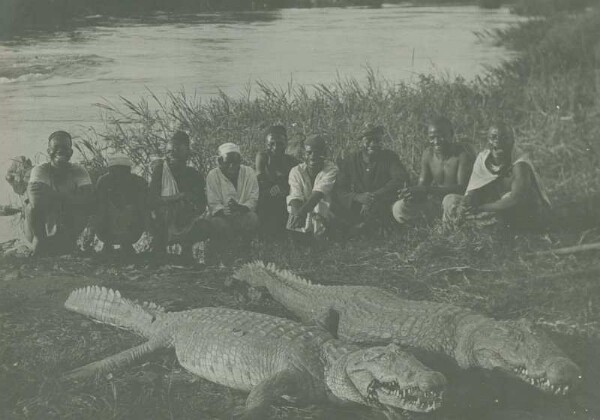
(401, 212)
(451, 201)
(451, 205)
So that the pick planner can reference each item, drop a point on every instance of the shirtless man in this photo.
(445, 169)
(500, 189)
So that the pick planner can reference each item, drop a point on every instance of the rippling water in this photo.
(51, 81)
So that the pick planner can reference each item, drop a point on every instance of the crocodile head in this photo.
(517, 348)
(390, 378)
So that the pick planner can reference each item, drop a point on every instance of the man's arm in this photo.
(198, 194)
(425, 175)
(520, 187)
(398, 178)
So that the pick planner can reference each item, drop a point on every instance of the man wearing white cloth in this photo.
(500, 190)
(232, 195)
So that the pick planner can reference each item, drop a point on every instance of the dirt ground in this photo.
(40, 340)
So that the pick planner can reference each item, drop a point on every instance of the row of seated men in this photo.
(362, 192)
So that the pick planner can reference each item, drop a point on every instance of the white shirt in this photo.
(219, 189)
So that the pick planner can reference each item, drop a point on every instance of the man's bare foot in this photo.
(39, 248)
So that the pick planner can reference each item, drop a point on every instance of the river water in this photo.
(50, 81)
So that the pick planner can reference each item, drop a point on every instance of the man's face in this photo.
(499, 144)
(178, 152)
(314, 157)
(276, 144)
(372, 145)
(230, 164)
(438, 138)
(60, 150)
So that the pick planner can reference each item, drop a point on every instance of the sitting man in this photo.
(368, 182)
(177, 197)
(311, 186)
(60, 197)
(500, 189)
(121, 206)
(232, 192)
(272, 170)
(445, 169)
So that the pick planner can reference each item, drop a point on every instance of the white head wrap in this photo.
(228, 148)
(119, 160)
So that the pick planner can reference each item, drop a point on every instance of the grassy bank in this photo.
(548, 94)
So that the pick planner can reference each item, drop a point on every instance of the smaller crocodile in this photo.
(268, 356)
(365, 314)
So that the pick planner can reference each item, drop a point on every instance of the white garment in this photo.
(169, 184)
(482, 176)
(301, 188)
(219, 189)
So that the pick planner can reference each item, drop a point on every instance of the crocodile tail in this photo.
(259, 274)
(107, 306)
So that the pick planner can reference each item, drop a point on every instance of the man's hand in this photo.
(415, 192)
(296, 222)
(365, 210)
(468, 207)
(366, 198)
(231, 207)
(275, 191)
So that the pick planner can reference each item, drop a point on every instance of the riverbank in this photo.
(548, 94)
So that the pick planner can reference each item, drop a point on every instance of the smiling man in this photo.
(445, 169)
(273, 167)
(367, 183)
(60, 195)
(501, 189)
(311, 187)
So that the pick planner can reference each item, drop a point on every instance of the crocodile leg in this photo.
(286, 382)
(114, 362)
(329, 321)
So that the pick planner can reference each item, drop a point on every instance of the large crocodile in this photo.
(268, 356)
(364, 314)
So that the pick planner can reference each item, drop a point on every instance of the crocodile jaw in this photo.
(516, 348)
(390, 378)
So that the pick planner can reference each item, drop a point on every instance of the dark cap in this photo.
(370, 131)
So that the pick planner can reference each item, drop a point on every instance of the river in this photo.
(50, 81)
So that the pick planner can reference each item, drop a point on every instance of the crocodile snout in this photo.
(561, 371)
(432, 381)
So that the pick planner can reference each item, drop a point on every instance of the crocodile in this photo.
(267, 356)
(366, 314)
